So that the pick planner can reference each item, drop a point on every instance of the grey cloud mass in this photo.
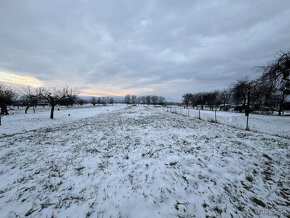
(141, 47)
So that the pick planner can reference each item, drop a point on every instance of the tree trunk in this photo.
(26, 109)
(4, 110)
(281, 104)
(51, 112)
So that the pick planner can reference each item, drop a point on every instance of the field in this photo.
(139, 161)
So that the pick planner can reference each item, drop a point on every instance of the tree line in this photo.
(268, 92)
(30, 98)
(149, 100)
(101, 100)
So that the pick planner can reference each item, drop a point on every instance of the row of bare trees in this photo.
(102, 100)
(269, 90)
(41, 96)
(149, 100)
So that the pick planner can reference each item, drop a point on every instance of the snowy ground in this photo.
(18, 121)
(272, 125)
(142, 162)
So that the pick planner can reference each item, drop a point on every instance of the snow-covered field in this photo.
(18, 121)
(139, 162)
(272, 125)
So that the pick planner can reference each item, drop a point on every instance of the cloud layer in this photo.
(141, 47)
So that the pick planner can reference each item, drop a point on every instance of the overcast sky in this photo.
(139, 47)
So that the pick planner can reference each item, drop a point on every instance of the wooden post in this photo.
(198, 114)
(215, 115)
(188, 112)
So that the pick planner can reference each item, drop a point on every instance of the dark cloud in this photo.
(148, 47)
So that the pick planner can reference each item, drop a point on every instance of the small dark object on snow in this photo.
(68, 114)
(58, 109)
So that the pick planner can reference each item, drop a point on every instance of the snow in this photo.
(273, 125)
(21, 122)
(139, 162)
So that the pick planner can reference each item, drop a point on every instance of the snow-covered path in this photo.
(143, 162)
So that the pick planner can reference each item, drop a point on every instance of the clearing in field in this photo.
(142, 162)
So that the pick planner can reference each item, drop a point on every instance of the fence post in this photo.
(215, 115)
(198, 114)
(188, 112)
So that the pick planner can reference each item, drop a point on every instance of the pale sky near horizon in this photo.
(139, 47)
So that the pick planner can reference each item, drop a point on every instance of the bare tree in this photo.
(211, 98)
(148, 99)
(161, 100)
(7, 96)
(240, 90)
(53, 97)
(225, 96)
(200, 99)
(127, 99)
(31, 98)
(138, 101)
(93, 100)
(154, 99)
(134, 98)
(81, 101)
(143, 99)
(72, 94)
(111, 101)
(104, 100)
(276, 75)
(99, 101)
(193, 100)
(186, 99)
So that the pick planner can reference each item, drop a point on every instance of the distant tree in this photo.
(53, 97)
(81, 101)
(193, 100)
(212, 100)
(71, 96)
(225, 96)
(104, 101)
(93, 101)
(111, 101)
(154, 99)
(31, 98)
(127, 99)
(161, 100)
(99, 101)
(7, 96)
(138, 100)
(186, 99)
(246, 92)
(240, 89)
(200, 99)
(134, 98)
(148, 99)
(143, 99)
